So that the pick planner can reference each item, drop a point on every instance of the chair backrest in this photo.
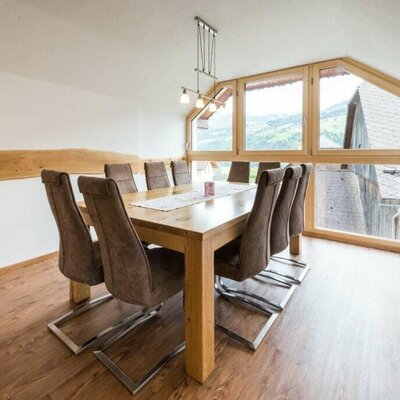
(239, 172)
(254, 250)
(156, 175)
(265, 166)
(280, 219)
(77, 256)
(296, 221)
(122, 175)
(126, 267)
(180, 173)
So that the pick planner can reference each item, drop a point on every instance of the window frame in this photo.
(196, 111)
(368, 74)
(310, 152)
(241, 118)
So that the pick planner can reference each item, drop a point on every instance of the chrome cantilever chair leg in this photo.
(274, 306)
(264, 330)
(280, 282)
(290, 280)
(135, 387)
(76, 348)
(289, 261)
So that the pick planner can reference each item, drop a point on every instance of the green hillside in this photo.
(274, 132)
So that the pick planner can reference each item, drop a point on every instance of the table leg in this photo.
(199, 308)
(295, 245)
(78, 292)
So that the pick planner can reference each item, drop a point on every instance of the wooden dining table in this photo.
(197, 231)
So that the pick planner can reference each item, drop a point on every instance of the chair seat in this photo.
(167, 273)
(226, 261)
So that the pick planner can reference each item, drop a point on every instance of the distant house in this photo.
(373, 121)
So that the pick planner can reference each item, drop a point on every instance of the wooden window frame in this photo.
(196, 111)
(372, 76)
(310, 152)
(241, 130)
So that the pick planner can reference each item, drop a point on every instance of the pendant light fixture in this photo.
(206, 65)
(199, 102)
(212, 107)
(185, 99)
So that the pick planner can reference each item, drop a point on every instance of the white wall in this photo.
(27, 227)
(41, 115)
(63, 85)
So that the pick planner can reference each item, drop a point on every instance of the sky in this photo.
(288, 99)
(338, 89)
(285, 99)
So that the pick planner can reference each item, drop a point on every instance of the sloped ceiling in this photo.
(144, 50)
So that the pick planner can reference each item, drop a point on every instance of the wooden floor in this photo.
(338, 338)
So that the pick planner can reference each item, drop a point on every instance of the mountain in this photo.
(273, 132)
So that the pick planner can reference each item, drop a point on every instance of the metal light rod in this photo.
(202, 95)
(206, 26)
(206, 73)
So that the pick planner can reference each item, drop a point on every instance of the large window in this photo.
(355, 114)
(341, 116)
(213, 131)
(359, 198)
(273, 113)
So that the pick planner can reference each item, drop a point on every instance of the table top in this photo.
(199, 219)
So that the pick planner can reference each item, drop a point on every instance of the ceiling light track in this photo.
(206, 64)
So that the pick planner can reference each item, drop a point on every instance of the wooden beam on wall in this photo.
(20, 164)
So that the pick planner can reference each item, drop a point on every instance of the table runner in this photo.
(173, 202)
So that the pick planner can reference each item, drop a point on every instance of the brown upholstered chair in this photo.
(79, 257)
(123, 176)
(265, 166)
(296, 221)
(132, 273)
(280, 220)
(156, 175)
(245, 257)
(239, 172)
(180, 173)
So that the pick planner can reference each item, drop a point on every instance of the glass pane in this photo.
(210, 170)
(359, 198)
(274, 113)
(354, 114)
(219, 170)
(253, 171)
(213, 131)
